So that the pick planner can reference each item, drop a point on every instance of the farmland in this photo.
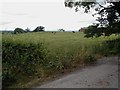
(50, 53)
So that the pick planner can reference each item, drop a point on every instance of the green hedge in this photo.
(111, 47)
(20, 59)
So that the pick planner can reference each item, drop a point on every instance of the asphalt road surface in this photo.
(104, 74)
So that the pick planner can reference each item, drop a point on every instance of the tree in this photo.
(73, 31)
(109, 14)
(93, 30)
(39, 29)
(61, 30)
(27, 30)
(19, 30)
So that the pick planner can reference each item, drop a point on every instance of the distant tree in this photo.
(61, 30)
(73, 31)
(92, 31)
(19, 30)
(39, 29)
(27, 30)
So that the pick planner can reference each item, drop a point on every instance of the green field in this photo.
(61, 51)
(60, 44)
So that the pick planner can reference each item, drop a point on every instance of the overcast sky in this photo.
(51, 14)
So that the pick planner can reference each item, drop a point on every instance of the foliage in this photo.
(61, 30)
(96, 31)
(20, 59)
(92, 31)
(19, 30)
(109, 14)
(39, 29)
(111, 47)
(73, 31)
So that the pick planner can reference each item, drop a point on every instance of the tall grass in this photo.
(24, 53)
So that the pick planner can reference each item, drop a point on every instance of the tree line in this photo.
(37, 29)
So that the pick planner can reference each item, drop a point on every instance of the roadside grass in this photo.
(61, 51)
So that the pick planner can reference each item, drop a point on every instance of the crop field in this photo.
(41, 54)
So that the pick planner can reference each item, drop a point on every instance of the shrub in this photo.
(20, 59)
(39, 29)
(113, 46)
(19, 30)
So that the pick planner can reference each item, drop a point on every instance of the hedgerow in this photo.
(20, 59)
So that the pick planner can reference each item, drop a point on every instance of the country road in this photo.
(104, 74)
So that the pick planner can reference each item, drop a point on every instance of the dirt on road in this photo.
(104, 74)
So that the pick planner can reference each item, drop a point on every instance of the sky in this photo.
(52, 14)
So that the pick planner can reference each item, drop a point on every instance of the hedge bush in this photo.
(20, 59)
